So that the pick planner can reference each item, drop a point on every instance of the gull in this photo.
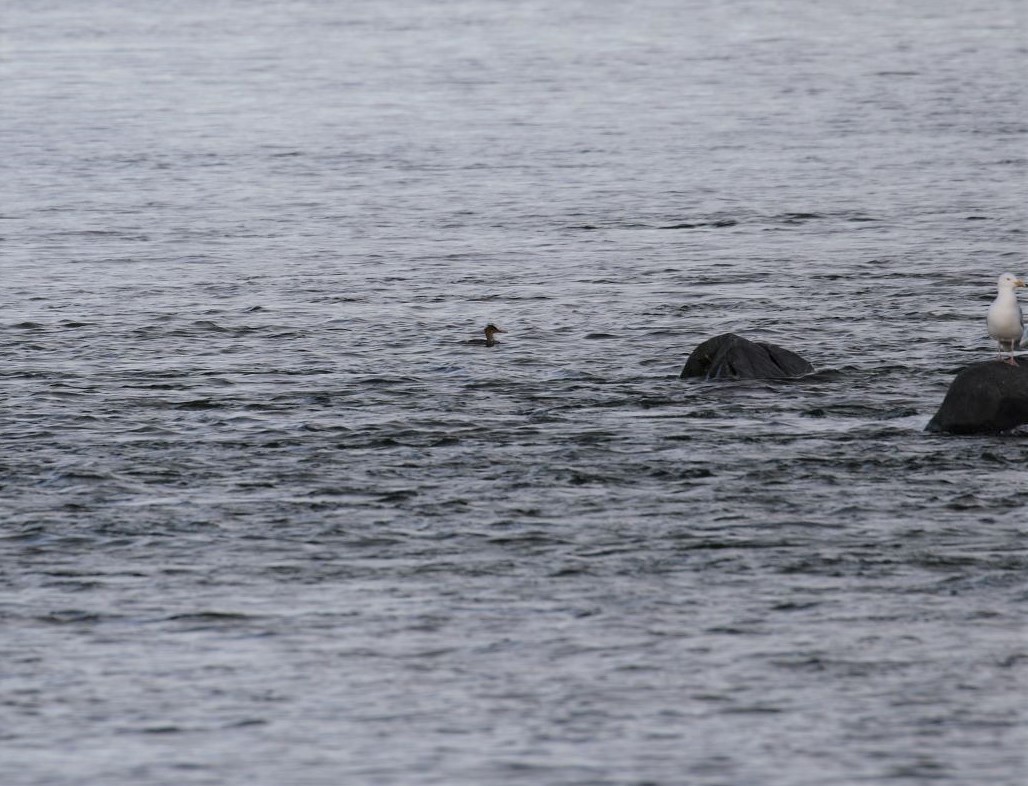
(1006, 323)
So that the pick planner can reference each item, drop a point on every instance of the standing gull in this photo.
(1006, 324)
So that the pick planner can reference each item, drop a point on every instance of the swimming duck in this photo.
(1006, 323)
(490, 331)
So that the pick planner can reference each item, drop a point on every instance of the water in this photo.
(266, 519)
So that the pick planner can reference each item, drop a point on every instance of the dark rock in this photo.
(984, 398)
(729, 356)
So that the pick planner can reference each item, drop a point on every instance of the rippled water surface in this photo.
(266, 519)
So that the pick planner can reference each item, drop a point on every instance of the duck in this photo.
(490, 331)
(1005, 320)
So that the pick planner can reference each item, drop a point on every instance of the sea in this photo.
(266, 518)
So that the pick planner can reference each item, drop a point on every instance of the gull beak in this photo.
(1019, 282)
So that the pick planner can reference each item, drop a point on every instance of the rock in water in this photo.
(984, 398)
(729, 356)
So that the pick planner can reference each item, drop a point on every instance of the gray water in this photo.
(266, 519)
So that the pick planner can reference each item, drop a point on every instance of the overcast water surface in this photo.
(265, 519)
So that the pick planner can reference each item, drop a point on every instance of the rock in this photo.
(984, 398)
(729, 356)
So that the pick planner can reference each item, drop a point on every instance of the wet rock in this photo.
(984, 398)
(729, 356)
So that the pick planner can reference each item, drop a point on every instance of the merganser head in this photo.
(491, 330)
(1009, 281)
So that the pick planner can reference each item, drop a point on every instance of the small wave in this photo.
(200, 403)
(207, 324)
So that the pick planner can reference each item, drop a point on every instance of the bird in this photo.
(490, 331)
(1006, 323)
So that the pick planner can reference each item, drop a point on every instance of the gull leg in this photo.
(1010, 358)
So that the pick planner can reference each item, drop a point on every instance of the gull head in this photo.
(1008, 281)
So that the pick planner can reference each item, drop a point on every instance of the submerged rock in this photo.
(984, 398)
(729, 356)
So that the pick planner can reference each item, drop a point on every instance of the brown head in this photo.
(491, 330)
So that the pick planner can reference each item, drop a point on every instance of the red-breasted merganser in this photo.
(1006, 323)
(490, 331)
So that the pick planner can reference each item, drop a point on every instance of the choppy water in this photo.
(267, 520)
